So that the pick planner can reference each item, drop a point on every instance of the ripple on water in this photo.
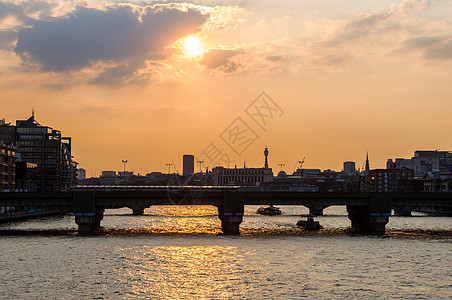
(166, 256)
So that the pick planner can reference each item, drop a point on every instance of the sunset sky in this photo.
(341, 78)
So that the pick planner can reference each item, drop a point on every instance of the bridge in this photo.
(368, 212)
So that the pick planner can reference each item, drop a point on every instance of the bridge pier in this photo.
(371, 218)
(367, 222)
(230, 222)
(137, 210)
(89, 223)
(231, 212)
(87, 214)
(316, 210)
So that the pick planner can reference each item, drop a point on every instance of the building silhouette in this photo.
(367, 167)
(390, 180)
(45, 147)
(7, 167)
(81, 174)
(349, 167)
(243, 176)
(188, 165)
(423, 162)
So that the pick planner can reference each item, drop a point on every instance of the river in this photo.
(177, 252)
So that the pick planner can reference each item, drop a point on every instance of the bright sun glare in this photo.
(192, 46)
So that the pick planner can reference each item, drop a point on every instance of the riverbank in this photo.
(19, 216)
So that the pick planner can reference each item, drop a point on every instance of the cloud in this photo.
(7, 39)
(352, 43)
(376, 23)
(274, 58)
(220, 59)
(432, 47)
(124, 35)
(27, 11)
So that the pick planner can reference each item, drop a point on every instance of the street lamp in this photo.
(124, 173)
(200, 162)
(169, 167)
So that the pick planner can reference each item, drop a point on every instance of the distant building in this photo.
(423, 162)
(108, 173)
(390, 164)
(243, 176)
(437, 182)
(46, 148)
(307, 173)
(188, 164)
(125, 176)
(81, 174)
(349, 167)
(393, 180)
(444, 158)
(7, 167)
(109, 178)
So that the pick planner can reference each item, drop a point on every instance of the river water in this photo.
(176, 252)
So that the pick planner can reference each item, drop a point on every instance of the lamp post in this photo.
(124, 161)
(169, 167)
(200, 162)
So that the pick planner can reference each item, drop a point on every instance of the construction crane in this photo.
(301, 162)
(301, 166)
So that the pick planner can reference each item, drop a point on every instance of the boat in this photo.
(309, 224)
(269, 210)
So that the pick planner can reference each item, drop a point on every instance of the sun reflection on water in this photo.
(177, 272)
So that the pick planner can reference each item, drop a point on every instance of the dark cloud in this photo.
(220, 59)
(126, 35)
(431, 47)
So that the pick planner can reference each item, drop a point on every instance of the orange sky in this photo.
(371, 76)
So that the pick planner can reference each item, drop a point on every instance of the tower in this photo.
(266, 158)
(188, 164)
(366, 170)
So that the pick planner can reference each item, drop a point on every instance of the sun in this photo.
(192, 46)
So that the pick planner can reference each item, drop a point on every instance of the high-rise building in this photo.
(349, 167)
(81, 173)
(7, 167)
(45, 147)
(188, 164)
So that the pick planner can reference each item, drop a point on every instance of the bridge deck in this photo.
(117, 199)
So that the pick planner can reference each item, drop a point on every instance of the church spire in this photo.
(367, 164)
